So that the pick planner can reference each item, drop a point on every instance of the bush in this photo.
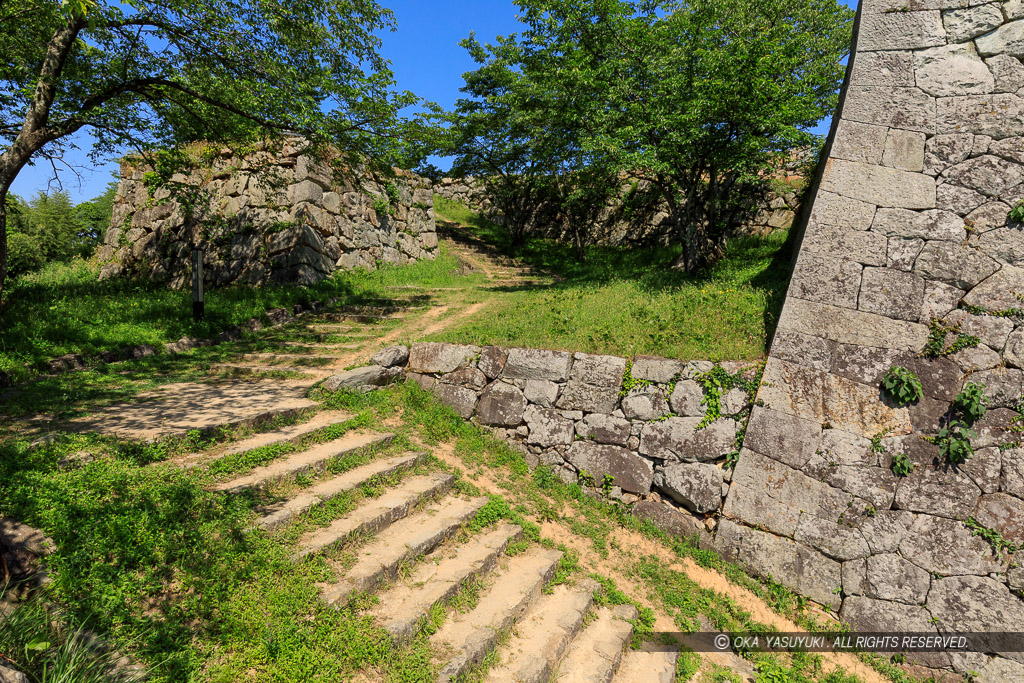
(23, 254)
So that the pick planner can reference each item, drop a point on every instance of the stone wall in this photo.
(641, 422)
(908, 235)
(269, 218)
(633, 218)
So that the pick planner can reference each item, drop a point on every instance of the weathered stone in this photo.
(788, 439)
(904, 150)
(943, 151)
(8, 675)
(391, 356)
(541, 391)
(836, 210)
(939, 299)
(734, 401)
(604, 429)
(687, 399)
(871, 616)
(984, 468)
(436, 357)
(859, 246)
(774, 481)
(750, 505)
(459, 399)
(834, 540)
(998, 292)
(886, 529)
(781, 559)
(996, 115)
(1012, 477)
(959, 200)
(305, 191)
(859, 142)
(547, 427)
(976, 358)
(946, 547)
(946, 493)
(697, 486)
(654, 369)
(988, 217)
(851, 327)
(952, 70)
(968, 23)
(678, 439)
(646, 405)
(901, 31)
(501, 405)
(954, 264)
(891, 293)
(468, 377)
(1008, 73)
(1003, 386)
(883, 68)
(902, 252)
(1008, 39)
(974, 604)
(1003, 513)
(989, 175)
(667, 518)
(802, 349)
(492, 361)
(826, 280)
(940, 377)
(371, 375)
(1013, 352)
(628, 470)
(538, 364)
(824, 398)
(928, 225)
(885, 187)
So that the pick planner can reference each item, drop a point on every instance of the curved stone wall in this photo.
(908, 239)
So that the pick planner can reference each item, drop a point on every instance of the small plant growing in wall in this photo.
(972, 403)
(902, 386)
(381, 205)
(938, 334)
(1017, 213)
(954, 442)
(901, 465)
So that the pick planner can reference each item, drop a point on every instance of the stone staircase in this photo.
(406, 535)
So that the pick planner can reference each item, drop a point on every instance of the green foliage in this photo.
(1000, 546)
(630, 383)
(23, 254)
(971, 403)
(716, 382)
(902, 385)
(954, 441)
(938, 334)
(381, 205)
(1017, 213)
(901, 465)
(662, 86)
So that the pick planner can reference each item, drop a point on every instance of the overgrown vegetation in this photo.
(628, 301)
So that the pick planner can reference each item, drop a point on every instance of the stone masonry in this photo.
(269, 217)
(909, 234)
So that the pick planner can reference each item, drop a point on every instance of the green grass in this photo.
(629, 301)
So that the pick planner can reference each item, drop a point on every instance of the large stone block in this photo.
(943, 151)
(990, 175)
(649, 404)
(678, 438)
(783, 437)
(860, 246)
(1008, 39)
(538, 364)
(872, 616)
(885, 187)
(697, 486)
(901, 30)
(882, 68)
(859, 142)
(594, 384)
(952, 70)
(891, 293)
(459, 399)
(547, 427)
(501, 405)
(904, 150)
(667, 518)
(654, 369)
(781, 559)
(629, 471)
(836, 210)
(751, 506)
(435, 357)
(974, 604)
(837, 541)
(492, 361)
(998, 292)
(802, 349)
(928, 225)
(775, 481)
(969, 23)
(687, 399)
(1003, 513)
(604, 429)
(945, 546)
(826, 280)
(999, 116)
(941, 492)
(824, 398)
(1003, 386)
(955, 264)
(851, 327)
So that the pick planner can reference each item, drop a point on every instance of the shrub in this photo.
(902, 385)
(23, 254)
(972, 402)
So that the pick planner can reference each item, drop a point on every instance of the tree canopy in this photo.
(700, 97)
(139, 75)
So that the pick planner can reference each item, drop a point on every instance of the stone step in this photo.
(294, 347)
(362, 319)
(516, 586)
(544, 634)
(375, 514)
(286, 510)
(290, 434)
(313, 459)
(268, 357)
(418, 534)
(439, 577)
(595, 654)
(640, 666)
(340, 330)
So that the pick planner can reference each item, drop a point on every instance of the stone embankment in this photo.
(268, 217)
(632, 428)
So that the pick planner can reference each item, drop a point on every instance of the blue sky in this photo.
(425, 56)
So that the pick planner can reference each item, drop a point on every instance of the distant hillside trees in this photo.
(701, 97)
(143, 75)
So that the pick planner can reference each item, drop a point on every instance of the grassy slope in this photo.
(629, 301)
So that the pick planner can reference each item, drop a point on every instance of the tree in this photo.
(141, 75)
(700, 97)
(94, 218)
